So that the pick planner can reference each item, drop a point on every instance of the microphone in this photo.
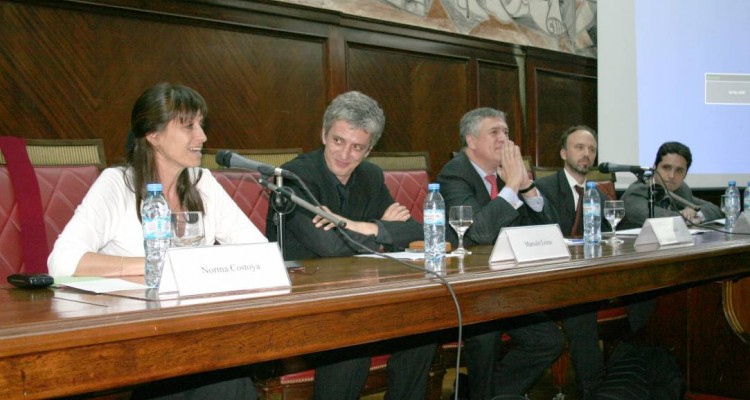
(610, 167)
(229, 159)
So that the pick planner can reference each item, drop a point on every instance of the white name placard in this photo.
(743, 223)
(664, 231)
(529, 243)
(191, 271)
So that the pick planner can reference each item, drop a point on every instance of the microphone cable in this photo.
(368, 250)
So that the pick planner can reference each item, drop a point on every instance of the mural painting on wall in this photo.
(559, 25)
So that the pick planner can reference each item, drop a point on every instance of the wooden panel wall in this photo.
(71, 69)
(422, 95)
(720, 360)
(499, 90)
(560, 92)
(690, 322)
(69, 73)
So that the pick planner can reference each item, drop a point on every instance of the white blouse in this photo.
(106, 221)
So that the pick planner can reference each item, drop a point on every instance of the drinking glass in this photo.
(614, 212)
(461, 218)
(730, 205)
(187, 228)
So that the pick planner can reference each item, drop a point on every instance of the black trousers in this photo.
(537, 342)
(580, 323)
(341, 374)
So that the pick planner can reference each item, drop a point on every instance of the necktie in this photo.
(493, 185)
(576, 231)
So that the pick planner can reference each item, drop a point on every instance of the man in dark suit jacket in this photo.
(673, 159)
(353, 190)
(490, 176)
(578, 152)
(578, 147)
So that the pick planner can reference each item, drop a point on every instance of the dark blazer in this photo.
(367, 200)
(460, 184)
(558, 193)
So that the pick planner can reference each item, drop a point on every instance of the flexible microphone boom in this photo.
(229, 159)
(609, 168)
(684, 201)
(662, 192)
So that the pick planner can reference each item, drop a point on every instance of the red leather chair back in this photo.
(61, 188)
(608, 188)
(244, 189)
(409, 189)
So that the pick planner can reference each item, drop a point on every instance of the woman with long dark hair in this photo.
(105, 237)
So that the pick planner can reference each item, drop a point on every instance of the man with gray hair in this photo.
(489, 175)
(353, 190)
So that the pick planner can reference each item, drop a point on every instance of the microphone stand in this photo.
(281, 206)
(651, 201)
(646, 176)
(289, 194)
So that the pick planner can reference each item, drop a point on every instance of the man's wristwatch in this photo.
(528, 189)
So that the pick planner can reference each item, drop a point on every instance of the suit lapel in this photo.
(482, 196)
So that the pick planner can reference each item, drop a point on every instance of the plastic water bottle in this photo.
(157, 231)
(746, 202)
(434, 229)
(731, 220)
(592, 214)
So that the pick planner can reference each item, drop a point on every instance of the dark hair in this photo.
(564, 137)
(152, 112)
(674, 148)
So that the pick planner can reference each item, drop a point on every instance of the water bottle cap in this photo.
(590, 185)
(153, 187)
(732, 183)
(433, 186)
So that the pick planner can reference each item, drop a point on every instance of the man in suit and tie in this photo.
(489, 175)
(564, 191)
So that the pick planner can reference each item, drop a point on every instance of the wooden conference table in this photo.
(61, 342)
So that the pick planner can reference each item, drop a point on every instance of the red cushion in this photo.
(61, 188)
(298, 377)
(608, 188)
(10, 230)
(244, 189)
(377, 362)
(452, 345)
(608, 314)
(409, 189)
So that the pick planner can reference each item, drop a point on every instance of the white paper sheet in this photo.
(104, 285)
